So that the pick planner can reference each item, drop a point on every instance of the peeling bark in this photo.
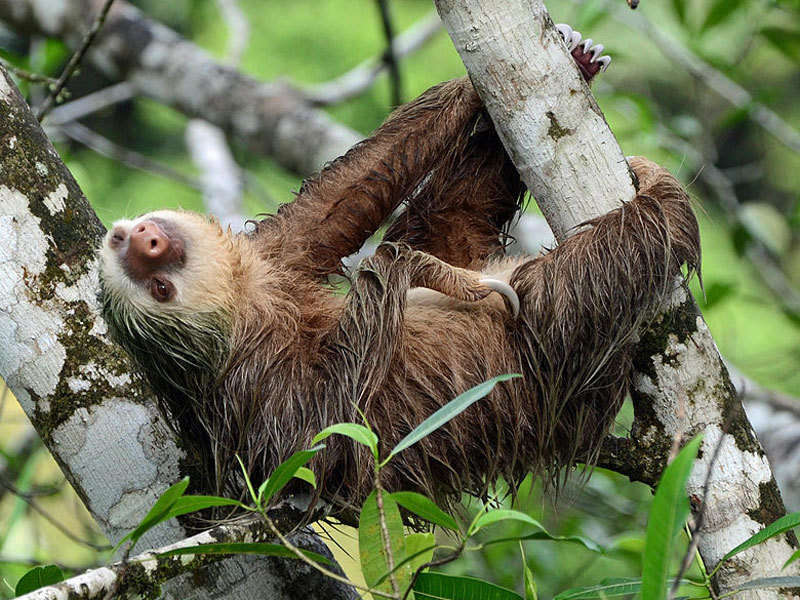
(560, 143)
(80, 392)
(270, 118)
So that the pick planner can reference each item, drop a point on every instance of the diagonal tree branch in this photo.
(560, 143)
(269, 118)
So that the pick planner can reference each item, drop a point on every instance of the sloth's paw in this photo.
(586, 53)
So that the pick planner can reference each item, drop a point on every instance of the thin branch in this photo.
(713, 79)
(50, 519)
(74, 61)
(30, 562)
(360, 78)
(220, 176)
(389, 57)
(767, 268)
(91, 103)
(27, 75)
(131, 158)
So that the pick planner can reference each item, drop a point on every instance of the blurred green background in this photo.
(653, 105)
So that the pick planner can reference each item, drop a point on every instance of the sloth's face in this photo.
(167, 262)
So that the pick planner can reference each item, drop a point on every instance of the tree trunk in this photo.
(80, 392)
(556, 135)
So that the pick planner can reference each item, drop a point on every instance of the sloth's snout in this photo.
(148, 243)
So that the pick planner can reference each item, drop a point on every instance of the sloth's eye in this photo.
(161, 289)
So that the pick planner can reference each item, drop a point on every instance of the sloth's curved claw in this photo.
(501, 287)
(574, 40)
(596, 51)
(605, 61)
(565, 31)
(587, 45)
(571, 37)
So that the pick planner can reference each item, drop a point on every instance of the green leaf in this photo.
(415, 557)
(38, 577)
(419, 549)
(778, 527)
(668, 513)
(721, 10)
(371, 548)
(354, 431)
(795, 555)
(263, 549)
(787, 41)
(249, 483)
(679, 6)
(424, 507)
(502, 514)
(770, 582)
(189, 504)
(284, 473)
(609, 588)
(438, 586)
(307, 475)
(545, 535)
(158, 513)
(447, 412)
(529, 582)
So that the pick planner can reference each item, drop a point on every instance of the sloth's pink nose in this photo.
(148, 243)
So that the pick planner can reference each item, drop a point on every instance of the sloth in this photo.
(251, 351)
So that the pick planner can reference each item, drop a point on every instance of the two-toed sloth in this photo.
(252, 352)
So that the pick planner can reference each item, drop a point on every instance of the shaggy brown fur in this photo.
(253, 353)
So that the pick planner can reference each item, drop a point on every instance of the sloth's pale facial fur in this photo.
(169, 262)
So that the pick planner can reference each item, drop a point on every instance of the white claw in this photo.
(605, 61)
(596, 52)
(565, 31)
(574, 40)
(501, 287)
(587, 43)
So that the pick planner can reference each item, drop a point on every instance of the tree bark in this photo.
(556, 135)
(270, 118)
(78, 389)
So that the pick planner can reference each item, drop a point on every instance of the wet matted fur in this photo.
(256, 353)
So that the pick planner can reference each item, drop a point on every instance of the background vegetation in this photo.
(656, 109)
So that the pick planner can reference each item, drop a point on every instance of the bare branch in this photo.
(27, 75)
(221, 177)
(90, 103)
(151, 570)
(389, 56)
(238, 30)
(131, 158)
(74, 61)
(360, 78)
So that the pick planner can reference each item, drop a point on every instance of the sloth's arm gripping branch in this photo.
(336, 211)
(372, 323)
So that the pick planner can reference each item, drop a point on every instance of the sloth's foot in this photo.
(586, 53)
